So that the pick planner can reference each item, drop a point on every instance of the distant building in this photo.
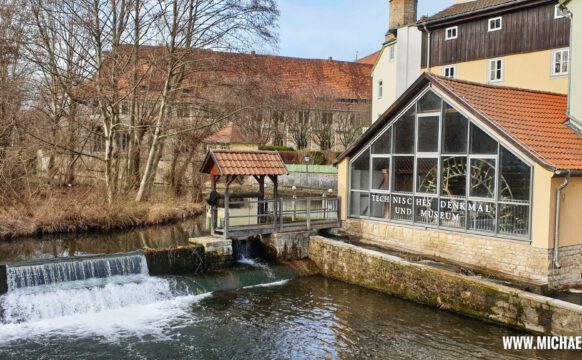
(230, 137)
(302, 103)
(519, 43)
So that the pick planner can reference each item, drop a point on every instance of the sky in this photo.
(341, 29)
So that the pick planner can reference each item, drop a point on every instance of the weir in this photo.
(47, 272)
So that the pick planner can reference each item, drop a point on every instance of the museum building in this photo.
(480, 175)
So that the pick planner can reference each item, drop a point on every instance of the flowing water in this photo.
(114, 310)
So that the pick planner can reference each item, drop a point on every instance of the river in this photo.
(254, 310)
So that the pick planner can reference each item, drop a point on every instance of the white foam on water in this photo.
(117, 309)
(251, 262)
(575, 291)
(275, 283)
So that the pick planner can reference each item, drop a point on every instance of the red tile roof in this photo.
(370, 59)
(534, 121)
(229, 134)
(227, 162)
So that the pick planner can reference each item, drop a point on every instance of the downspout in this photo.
(557, 221)
(570, 16)
(427, 48)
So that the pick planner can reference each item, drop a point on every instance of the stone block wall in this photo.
(287, 246)
(445, 290)
(570, 272)
(514, 259)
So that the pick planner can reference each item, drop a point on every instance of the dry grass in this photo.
(67, 210)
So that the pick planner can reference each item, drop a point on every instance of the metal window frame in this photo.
(439, 155)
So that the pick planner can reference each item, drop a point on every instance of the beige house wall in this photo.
(385, 70)
(527, 71)
(575, 7)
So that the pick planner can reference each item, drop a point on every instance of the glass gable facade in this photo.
(434, 167)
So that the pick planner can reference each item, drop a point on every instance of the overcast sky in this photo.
(338, 28)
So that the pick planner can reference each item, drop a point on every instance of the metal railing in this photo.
(280, 215)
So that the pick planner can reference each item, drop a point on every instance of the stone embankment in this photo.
(444, 289)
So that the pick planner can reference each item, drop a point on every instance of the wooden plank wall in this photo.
(524, 30)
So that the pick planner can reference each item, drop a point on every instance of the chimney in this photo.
(402, 13)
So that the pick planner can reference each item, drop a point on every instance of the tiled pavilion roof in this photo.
(236, 162)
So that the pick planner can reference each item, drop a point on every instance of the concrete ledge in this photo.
(445, 290)
(215, 245)
(287, 246)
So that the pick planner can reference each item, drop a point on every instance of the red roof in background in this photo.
(229, 134)
(231, 162)
(370, 59)
(533, 119)
(468, 8)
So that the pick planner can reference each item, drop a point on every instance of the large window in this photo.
(433, 167)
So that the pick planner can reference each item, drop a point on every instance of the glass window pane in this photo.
(514, 219)
(514, 181)
(452, 212)
(360, 172)
(455, 127)
(380, 206)
(430, 102)
(383, 144)
(426, 210)
(403, 173)
(454, 176)
(404, 134)
(481, 143)
(427, 175)
(482, 178)
(428, 134)
(402, 207)
(380, 174)
(481, 216)
(359, 203)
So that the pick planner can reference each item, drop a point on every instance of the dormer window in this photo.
(451, 33)
(495, 24)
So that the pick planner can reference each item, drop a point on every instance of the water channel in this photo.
(110, 308)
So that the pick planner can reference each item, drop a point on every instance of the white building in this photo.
(398, 64)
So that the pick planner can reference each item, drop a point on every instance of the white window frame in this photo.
(558, 12)
(452, 37)
(380, 88)
(492, 20)
(392, 53)
(449, 68)
(489, 70)
(562, 72)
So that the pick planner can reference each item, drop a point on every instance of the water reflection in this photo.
(55, 246)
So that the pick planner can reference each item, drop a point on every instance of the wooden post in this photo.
(214, 209)
(276, 204)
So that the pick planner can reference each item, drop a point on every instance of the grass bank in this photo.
(81, 209)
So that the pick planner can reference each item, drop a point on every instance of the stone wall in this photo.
(445, 290)
(510, 258)
(287, 246)
(570, 272)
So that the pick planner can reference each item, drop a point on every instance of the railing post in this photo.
(308, 212)
(281, 214)
(226, 213)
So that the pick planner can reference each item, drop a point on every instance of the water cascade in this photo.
(75, 269)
